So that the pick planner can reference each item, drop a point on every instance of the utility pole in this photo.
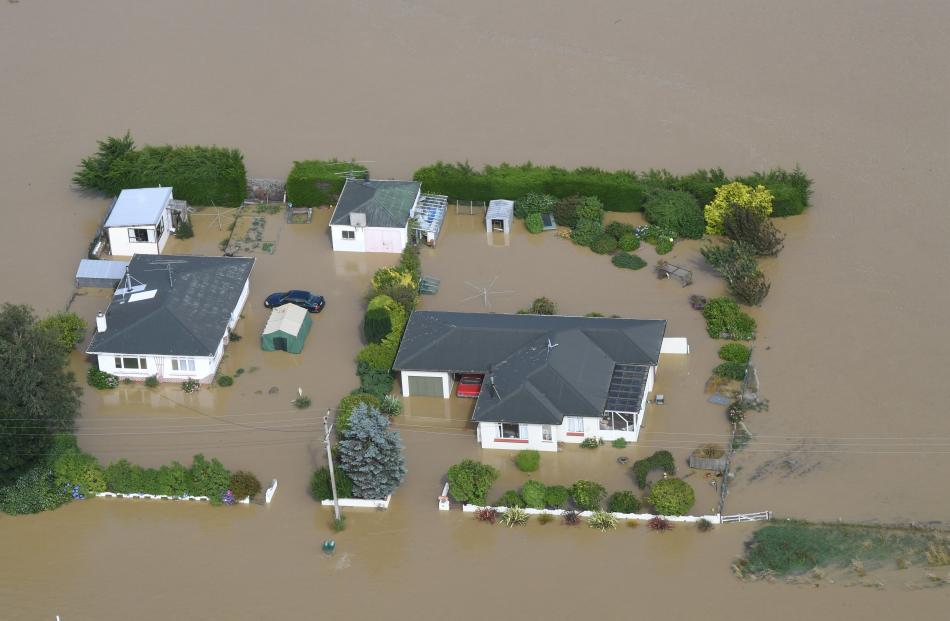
(326, 440)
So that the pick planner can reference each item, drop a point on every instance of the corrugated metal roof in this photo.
(101, 269)
(385, 203)
(287, 318)
(140, 206)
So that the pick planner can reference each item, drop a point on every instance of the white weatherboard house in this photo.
(373, 216)
(171, 317)
(548, 379)
(140, 221)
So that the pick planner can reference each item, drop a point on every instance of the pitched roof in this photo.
(532, 382)
(187, 314)
(385, 203)
(142, 206)
(287, 318)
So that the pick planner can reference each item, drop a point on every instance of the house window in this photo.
(160, 228)
(130, 363)
(512, 431)
(138, 235)
(546, 433)
(349, 234)
(575, 424)
(183, 364)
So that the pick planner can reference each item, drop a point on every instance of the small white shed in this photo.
(498, 216)
(140, 221)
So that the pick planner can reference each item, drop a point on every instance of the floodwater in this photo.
(852, 337)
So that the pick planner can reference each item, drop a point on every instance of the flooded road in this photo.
(853, 334)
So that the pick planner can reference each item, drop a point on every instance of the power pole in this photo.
(326, 440)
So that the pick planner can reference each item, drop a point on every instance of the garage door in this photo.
(425, 386)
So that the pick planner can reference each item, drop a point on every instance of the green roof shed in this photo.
(286, 329)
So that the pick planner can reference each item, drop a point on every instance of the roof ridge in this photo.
(187, 329)
(632, 343)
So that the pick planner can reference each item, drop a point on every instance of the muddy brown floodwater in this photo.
(853, 341)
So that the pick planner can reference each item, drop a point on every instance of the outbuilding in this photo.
(141, 221)
(498, 216)
(286, 329)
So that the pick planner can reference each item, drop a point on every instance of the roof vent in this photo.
(101, 321)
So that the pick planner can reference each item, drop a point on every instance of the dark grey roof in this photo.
(532, 384)
(186, 316)
(385, 203)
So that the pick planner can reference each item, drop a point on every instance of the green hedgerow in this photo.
(672, 497)
(623, 502)
(724, 319)
(628, 261)
(528, 461)
(605, 244)
(555, 496)
(318, 182)
(660, 460)
(735, 352)
(628, 243)
(588, 495)
(511, 498)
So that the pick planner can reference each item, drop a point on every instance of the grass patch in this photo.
(794, 547)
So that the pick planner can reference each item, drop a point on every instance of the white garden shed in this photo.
(498, 215)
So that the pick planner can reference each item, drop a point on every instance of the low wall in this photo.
(360, 502)
(151, 496)
(715, 519)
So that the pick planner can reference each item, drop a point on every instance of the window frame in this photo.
(574, 425)
(348, 235)
(141, 363)
(517, 429)
(134, 237)
(177, 364)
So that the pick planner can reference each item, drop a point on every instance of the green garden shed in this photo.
(286, 329)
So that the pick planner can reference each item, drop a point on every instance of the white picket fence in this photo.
(747, 517)
(151, 496)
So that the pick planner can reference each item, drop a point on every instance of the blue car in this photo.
(303, 299)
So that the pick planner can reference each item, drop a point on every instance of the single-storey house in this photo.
(373, 216)
(547, 379)
(286, 329)
(171, 317)
(141, 221)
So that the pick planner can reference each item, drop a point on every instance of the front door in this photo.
(280, 343)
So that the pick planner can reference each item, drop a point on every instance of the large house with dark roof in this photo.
(548, 379)
(171, 317)
(373, 216)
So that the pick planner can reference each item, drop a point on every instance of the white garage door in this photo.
(383, 240)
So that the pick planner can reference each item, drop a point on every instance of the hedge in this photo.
(321, 488)
(628, 261)
(672, 497)
(318, 182)
(675, 210)
(735, 352)
(347, 403)
(533, 223)
(791, 190)
(661, 460)
(724, 319)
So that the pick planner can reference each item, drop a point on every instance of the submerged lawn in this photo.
(789, 548)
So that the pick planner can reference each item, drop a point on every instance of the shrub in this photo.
(732, 195)
(628, 243)
(409, 261)
(318, 182)
(724, 319)
(672, 497)
(697, 302)
(544, 518)
(590, 443)
(210, 478)
(488, 514)
(736, 264)
(511, 498)
(151, 381)
(587, 495)
(190, 385)
(388, 277)
(32, 492)
(628, 261)
(391, 405)
(754, 229)
(603, 521)
(379, 356)
(66, 328)
(373, 381)
(660, 524)
(586, 232)
(555, 496)
(619, 230)
(543, 306)
(571, 518)
(565, 211)
(514, 516)
(376, 324)
(347, 403)
(660, 460)
(704, 525)
(750, 289)
(623, 502)
(533, 493)
(469, 481)
(730, 370)
(675, 210)
(528, 461)
(184, 230)
(338, 524)
(735, 352)
(225, 380)
(664, 245)
(533, 223)
(302, 402)
(590, 208)
(619, 443)
(101, 380)
(71, 467)
(244, 484)
(534, 204)
(321, 488)
(605, 244)
(791, 190)
(737, 410)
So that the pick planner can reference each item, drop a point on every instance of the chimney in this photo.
(100, 322)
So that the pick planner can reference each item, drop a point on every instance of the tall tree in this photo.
(39, 397)
(371, 455)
